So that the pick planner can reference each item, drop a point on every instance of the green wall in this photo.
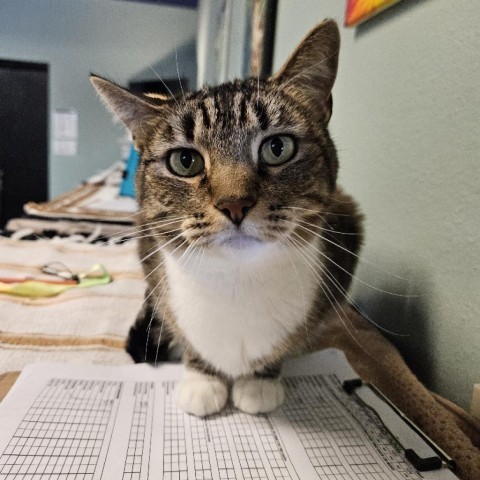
(405, 121)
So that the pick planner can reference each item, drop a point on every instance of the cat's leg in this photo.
(259, 393)
(200, 391)
(148, 339)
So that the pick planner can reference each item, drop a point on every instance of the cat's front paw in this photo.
(257, 395)
(201, 394)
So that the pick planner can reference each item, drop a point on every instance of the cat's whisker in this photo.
(323, 238)
(364, 314)
(161, 223)
(302, 255)
(157, 234)
(159, 341)
(160, 333)
(160, 297)
(343, 291)
(161, 263)
(122, 235)
(164, 284)
(150, 252)
(262, 6)
(157, 231)
(156, 286)
(159, 301)
(195, 250)
(142, 227)
(337, 200)
(395, 294)
(178, 73)
(164, 84)
(200, 262)
(301, 288)
(316, 212)
(189, 250)
(329, 295)
(164, 220)
(159, 247)
(152, 316)
(348, 251)
(341, 247)
(191, 245)
(304, 222)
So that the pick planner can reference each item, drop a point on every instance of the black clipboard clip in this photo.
(421, 464)
(351, 385)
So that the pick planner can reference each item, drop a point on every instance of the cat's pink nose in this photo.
(236, 208)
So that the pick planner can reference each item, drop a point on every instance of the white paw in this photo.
(257, 395)
(201, 394)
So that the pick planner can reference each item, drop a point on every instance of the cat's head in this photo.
(238, 164)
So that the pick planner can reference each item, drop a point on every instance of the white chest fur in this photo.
(234, 311)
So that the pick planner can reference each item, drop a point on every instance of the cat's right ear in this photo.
(310, 72)
(130, 109)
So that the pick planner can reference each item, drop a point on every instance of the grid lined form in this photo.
(273, 448)
(136, 463)
(226, 469)
(62, 436)
(201, 457)
(226, 446)
(246, 448)
(334, 446)
(174, 443)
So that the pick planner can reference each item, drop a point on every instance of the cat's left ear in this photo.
(311, 70)
(134, 111)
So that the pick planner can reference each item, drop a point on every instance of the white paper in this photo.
(65, 124)
(65, 132)
(65, 148)
(70, 422)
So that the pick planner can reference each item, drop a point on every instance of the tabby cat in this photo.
(244, 236)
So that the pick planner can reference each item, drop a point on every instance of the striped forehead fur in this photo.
(226, 119)
(217, 113)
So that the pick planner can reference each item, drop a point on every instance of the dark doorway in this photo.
(23, 136)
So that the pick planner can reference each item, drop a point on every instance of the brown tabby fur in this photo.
(223, 123)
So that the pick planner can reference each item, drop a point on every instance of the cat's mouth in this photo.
(237, 240)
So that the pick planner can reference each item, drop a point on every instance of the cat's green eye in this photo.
(277, 150)
(185, 162)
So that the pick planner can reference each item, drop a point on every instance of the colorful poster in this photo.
(360, 10)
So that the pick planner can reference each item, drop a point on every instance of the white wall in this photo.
(117, 39)
(406, 116)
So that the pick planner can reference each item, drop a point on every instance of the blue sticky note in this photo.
(127, 187)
